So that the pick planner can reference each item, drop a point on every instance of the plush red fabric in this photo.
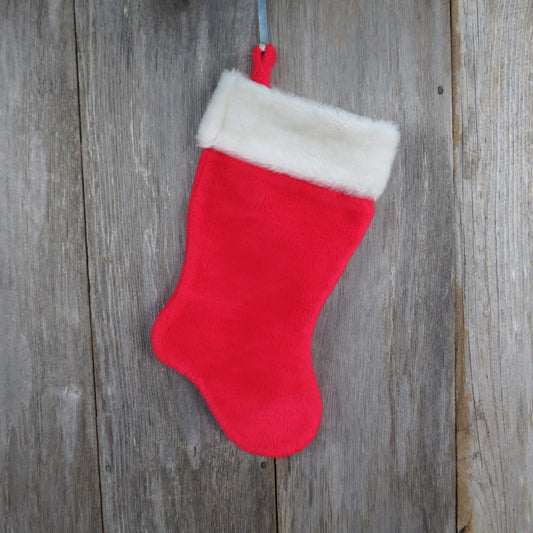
(263, 252)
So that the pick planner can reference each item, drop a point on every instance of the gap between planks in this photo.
(91, 336)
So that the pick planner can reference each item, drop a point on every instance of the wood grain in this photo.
(493, 131)
(147, 71)
(48, 464)
(384, 458)
(383, 347)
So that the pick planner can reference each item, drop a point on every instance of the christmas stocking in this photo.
(283, 194)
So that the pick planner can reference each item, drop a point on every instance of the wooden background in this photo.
(423, 352)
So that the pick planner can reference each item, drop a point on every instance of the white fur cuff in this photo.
(305, 139)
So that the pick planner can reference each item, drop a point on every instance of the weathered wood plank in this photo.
(147, 70)
(383, 348)
(493, 133)
(48, 472)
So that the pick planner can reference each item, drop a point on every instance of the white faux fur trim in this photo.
(305, 139)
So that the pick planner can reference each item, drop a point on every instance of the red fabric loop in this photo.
(263, 63)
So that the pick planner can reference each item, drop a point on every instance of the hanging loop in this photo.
(263, 55)
(263, 63)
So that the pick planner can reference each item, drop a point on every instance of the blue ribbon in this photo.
(263, 28)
